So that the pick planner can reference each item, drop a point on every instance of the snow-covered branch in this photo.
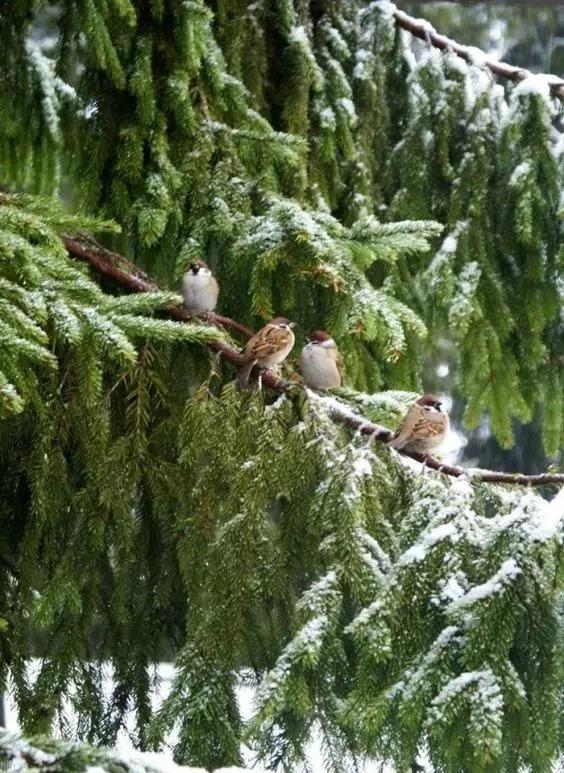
(424, 30)
(132, 278)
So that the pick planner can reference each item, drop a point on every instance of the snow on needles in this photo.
(298, 35)
(535, 83)
(550, 521)
(508, 571)
(417, 552)
(486, 687)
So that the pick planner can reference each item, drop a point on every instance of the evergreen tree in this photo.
(148, 508)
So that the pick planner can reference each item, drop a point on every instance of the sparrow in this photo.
(320, 362)
(424, 427)
(270, 346)
(199, 288)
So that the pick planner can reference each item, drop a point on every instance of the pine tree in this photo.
(151, 510)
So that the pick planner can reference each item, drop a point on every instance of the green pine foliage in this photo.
(48, 301)
(149, 510)
(158, 111)
(46, 754)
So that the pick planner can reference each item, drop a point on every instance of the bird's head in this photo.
(320, 338)
(429, 402)
(282, 323)
(197, 266)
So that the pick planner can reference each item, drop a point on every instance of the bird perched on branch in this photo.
(424, 427)
(267, 348)
(199, 288)
(320, 362)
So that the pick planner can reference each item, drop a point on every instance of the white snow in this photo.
(362, 57)
(339, 43)
(487, 692)
(452, 589)
(457, 63)
(535, 83)
(332, 406)
(327, 118)
(448, 637)
(419, 551)
(298, 35)
(44, 70)
(362, 467)
(478, 57)
(383, 6)
(550, 521)
(364, 617)
(450, 244)
(496, 584)
(520, 170)
(439, 274)
(348, 106)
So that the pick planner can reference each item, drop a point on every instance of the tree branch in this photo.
(424, 30)
(132, 278)
(526, 3)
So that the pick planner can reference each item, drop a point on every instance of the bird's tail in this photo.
(243, 375)
(397, 442)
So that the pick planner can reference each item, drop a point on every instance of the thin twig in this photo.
(131, 277)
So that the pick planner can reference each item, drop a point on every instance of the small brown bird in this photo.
(199, 288)
(424, 427)
(269, 347)
(320, 362)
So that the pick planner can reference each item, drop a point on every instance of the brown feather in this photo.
(419, 430)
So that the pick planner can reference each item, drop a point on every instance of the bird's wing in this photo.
(414, 425)
(267, 341)
(336, 355)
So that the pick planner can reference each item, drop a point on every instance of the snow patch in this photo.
(520, 170)
(449, 244)
(419, 551)
(550, 521)
(298, 35)
(487, 692)
(496, 584)
(537, 84)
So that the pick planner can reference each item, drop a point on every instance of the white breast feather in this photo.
(200, 291)
(319, 370)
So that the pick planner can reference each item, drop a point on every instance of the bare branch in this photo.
(132, 278)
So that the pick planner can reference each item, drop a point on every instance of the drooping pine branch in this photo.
(47, 754)
(131, 277)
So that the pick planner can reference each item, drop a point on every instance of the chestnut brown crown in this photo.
(279, 321)
(429, 400)
(319, 336)
(197, 265)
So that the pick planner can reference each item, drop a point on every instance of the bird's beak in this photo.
(292, 324)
